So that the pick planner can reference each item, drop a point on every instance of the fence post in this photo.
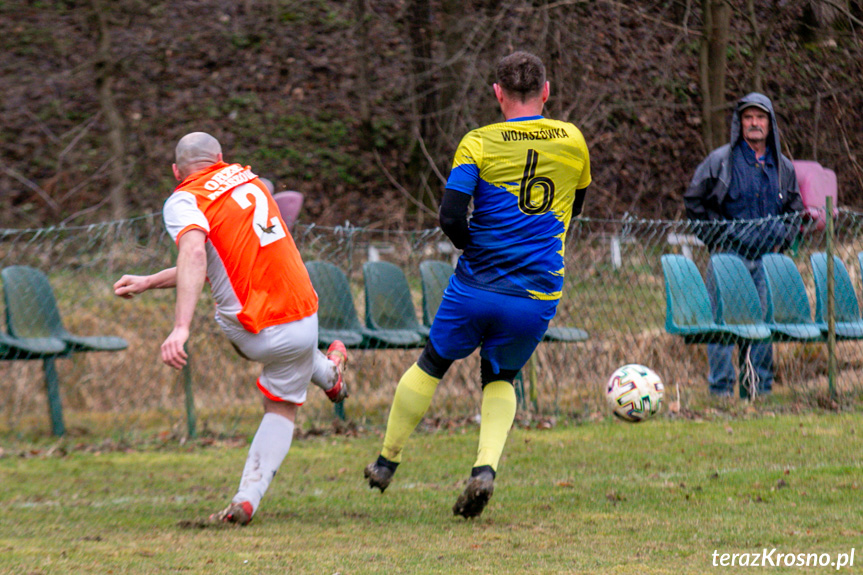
(831, 305)
(191, 418)
(616, 256)
(518, 383)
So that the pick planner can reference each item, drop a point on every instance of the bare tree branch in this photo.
(401, 188)
(33, 186)
(844, 9)
(85, 127)
(641, 13)
(87, 180)
(85, 211)
(42, 127)
(430, 159)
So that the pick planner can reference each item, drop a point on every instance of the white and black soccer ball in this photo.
(634, 392)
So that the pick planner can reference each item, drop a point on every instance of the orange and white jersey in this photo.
(254, 268)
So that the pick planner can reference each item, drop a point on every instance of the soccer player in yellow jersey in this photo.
(526, 176)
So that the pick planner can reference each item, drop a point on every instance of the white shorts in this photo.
(289, 353)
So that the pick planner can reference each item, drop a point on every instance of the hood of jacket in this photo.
(761, 100)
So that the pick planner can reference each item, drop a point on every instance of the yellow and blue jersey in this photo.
(523, 175)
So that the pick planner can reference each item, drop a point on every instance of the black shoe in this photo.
(380, 473)
(478, 491)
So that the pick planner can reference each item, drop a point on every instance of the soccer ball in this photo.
(634, 393)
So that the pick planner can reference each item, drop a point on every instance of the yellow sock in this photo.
(412, 399)
(498, 413)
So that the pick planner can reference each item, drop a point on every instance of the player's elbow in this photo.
(447, 223)
(456, 229)
(198, 256)
(192, 257)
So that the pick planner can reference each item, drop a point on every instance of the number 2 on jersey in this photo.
(266, 228)
(528, 181)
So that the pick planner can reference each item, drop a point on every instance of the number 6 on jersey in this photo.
(528, 181)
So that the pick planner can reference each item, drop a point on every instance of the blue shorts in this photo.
(506, 328)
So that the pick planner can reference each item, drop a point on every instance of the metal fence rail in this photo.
(614, 290)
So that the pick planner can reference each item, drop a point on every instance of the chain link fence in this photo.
(614, 290)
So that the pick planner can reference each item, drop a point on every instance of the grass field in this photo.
(603, 497)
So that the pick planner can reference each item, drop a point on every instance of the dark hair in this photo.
(521, 75)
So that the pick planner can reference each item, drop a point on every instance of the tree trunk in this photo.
(426, 108)
(717, 16)
(364, 78)
(556, 71)
(758, 43)
(105, 68)
(421, 35)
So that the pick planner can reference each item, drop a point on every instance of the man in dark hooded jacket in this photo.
(745, 199)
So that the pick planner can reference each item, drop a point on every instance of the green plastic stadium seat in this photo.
(390, 314)
(565, 334)
(848, 322)
(36, 331)
(788, 313)
(435, 277)
(48, 349)
(337, 316)
(738, 306)
(31, 312)
(687, 305)
(12, 348)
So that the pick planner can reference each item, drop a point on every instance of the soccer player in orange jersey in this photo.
(229, 232)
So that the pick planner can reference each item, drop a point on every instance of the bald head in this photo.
(194, 152)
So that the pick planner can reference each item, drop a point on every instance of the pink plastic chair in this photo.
(290, 204)
(816, 184)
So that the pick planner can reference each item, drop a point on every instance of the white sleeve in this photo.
(181, 212)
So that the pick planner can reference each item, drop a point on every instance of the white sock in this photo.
(324, 373)
(269, 448)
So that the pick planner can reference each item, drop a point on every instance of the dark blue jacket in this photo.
(705, 199)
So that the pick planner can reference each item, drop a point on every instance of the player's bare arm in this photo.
(191, 272)
(130, 285)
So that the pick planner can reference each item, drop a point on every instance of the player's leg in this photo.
(410, 403)
(510, 339)
(269, 447)
(497, 415)
(287, 353)
(454, 335)
(328, 372)
(412, 399)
